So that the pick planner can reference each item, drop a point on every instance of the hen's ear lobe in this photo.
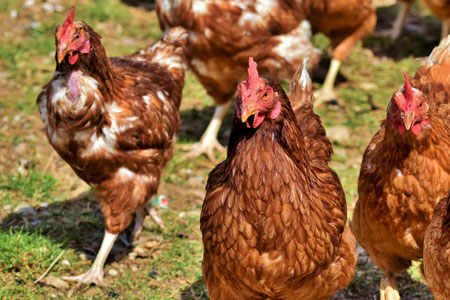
(275, 111)
(86, 47)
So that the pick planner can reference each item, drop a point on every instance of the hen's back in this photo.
(433, 79)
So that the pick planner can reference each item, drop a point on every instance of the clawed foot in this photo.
(203, 147)
(90, 277)
(323, 95)
(388, 288)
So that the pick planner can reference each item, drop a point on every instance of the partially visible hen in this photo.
(273, 219)
(223, 34)
(406, 171)
(113, 121)
(396, 30)
(345, 22)
(440, 8)
(436, 251)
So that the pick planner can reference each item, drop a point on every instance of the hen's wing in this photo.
(301, 98)
(152, 81)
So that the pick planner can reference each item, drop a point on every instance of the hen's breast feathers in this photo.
(268, 213)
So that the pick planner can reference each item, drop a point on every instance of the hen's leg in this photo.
(326, 92)
(139, 219)
(340, 52)
(208, 143)
(397, 28)
(152, 212)
(95, 273)
(388, 287)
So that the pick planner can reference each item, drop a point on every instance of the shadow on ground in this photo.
(196, 291)
(76, 223)
(147, 4)
(365, 283)
(194, 122)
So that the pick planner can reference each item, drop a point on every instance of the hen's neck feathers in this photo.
(284, 131)
(95, 64)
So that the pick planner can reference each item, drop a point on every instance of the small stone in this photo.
(113, 294)
(83, 257)
(196, 179)
(339, 134)
(132, 255)
(65, 262)
(13, 14)
(134, 268)
(48, 7)
(55, 282)
(151, 244)
(43, 205)
(113, 272)
(59, 8)
(153, 273)
(25, 209)
(91, 292)
(29, 3)
(139, 250)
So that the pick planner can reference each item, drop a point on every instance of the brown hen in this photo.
(223, 34)
(440, 8)
(113, 121)
(436, 251)
(406, 171)
(273, 220)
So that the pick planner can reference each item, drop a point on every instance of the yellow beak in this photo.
(246, 113)
(408, 119)
(61, 52)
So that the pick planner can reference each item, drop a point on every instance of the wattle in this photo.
(73, 58)
(416, 128)
(258, 119)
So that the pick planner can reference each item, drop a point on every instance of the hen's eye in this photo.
(265, 96)
(420, 105)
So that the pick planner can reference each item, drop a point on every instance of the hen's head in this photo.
(408, 110)
(256, 98)
(72, 39)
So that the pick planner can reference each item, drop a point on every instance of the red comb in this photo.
(253, 76)
(66, 27)
(408, 92)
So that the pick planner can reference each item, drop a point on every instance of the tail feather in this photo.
(169, 52)
(300, 89)
(441, 53)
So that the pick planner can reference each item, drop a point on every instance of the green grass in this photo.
(33, 186)
(25, 253)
